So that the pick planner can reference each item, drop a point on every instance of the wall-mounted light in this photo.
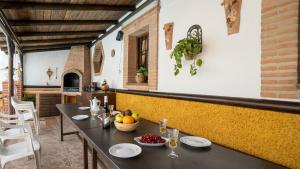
(120, 36)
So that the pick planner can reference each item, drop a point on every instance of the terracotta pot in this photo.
(139, 78)
(189, 57)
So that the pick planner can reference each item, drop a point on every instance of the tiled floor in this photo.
(55, 154)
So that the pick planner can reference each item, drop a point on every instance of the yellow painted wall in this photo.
(270, 135)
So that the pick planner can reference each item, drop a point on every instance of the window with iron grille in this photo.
(142, 51)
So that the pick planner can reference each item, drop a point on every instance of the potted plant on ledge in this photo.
(190, 48)
(141, 75)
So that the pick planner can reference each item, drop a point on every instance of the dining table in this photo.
(99, 140)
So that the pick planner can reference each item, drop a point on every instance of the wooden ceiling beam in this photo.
(2, 44)
(4, 49)
(60, 33)
(60, 22)
(47, 41)
(44, 50)
(8, 30)
(64, 6)
(53, 46)
(66, 45)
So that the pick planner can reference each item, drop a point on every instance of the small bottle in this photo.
(106, 116)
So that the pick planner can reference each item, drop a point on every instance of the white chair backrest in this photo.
(7, 119)
(21, 137)
(14, 101)
(22, 105)
(25, 111)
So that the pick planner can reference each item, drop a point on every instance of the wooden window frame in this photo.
(147, 23)
(140, 51)
(298, 84)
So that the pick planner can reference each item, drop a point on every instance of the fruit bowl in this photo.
(126, 127)
(151, 140)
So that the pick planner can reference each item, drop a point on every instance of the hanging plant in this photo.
(190, 48)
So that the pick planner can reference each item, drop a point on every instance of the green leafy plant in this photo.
(143, 70)
(189, 48)
(29, 98)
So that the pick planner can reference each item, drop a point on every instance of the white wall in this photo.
(3, 64)
(37, 64)
(113, 66)
(231, 63)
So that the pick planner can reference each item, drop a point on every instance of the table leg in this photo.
(94, 165)
(85, 154)
(61, 128)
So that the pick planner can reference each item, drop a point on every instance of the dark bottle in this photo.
(106, 116)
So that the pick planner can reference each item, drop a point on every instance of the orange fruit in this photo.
(128, 120)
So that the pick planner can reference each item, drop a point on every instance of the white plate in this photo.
(115, 112)
(125, 150)
(137, 139)
(80, 117)
(195, 141)
(83, 108)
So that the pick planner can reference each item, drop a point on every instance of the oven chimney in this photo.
(77, 71)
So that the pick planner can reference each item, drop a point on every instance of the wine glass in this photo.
(163, 126)
(111, 109)
(173, 139)
(93, 114)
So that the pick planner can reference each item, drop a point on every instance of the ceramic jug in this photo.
(95, 105)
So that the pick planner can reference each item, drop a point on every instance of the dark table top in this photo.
(70, 110)
(215, 157)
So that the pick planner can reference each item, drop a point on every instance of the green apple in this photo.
(119, 118)
(136, 116)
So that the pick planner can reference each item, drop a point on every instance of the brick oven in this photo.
(77, 72)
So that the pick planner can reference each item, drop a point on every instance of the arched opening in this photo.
(71, 82)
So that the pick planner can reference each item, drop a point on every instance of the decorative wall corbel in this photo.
(169, 35)
(233, 13)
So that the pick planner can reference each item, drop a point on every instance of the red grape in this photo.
(151, 138)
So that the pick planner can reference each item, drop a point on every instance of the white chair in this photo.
(26, 111)
(7, 120)
(23, 148)
(10, 120)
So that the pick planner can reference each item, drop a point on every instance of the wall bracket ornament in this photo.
(233, 14)
(49, 73)
(168, 28)
(195, 32)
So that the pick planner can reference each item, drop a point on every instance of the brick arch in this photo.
(78, 72)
